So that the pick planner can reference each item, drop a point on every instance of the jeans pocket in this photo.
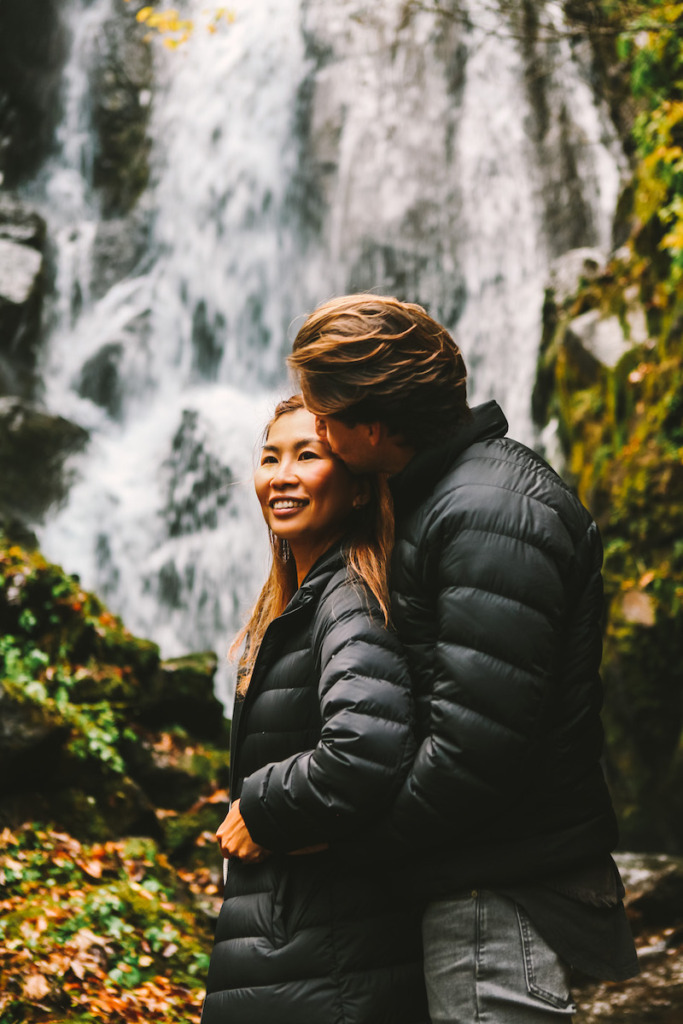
(547, 978)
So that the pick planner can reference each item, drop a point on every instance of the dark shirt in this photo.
(580, 914)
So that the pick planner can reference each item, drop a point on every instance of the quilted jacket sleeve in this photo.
(366, 742)
(497, 575)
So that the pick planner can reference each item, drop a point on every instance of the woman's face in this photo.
(306, 493)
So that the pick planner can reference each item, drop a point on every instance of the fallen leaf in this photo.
(36, 987)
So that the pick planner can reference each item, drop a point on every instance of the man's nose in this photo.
(321, 428)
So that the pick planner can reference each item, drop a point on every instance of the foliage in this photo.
(621, 429)
(651, 44)
(101, 928)
(175, 29)
(96, 933)
(64, 651)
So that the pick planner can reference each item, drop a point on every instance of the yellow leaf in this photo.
(144, 14)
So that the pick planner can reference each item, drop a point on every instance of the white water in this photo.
(422, 179)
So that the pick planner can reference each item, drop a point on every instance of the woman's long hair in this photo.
(368, 543)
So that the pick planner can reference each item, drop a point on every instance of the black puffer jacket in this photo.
(497, 598)
(321, 743)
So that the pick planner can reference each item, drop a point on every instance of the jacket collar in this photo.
(425, 469)
(319, 575)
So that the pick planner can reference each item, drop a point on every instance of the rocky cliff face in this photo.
(34, 45)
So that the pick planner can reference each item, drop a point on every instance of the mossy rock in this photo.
(186, 697)
(174, 769)
(182, 831)
(621, 429)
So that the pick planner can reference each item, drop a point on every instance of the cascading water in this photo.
(313, 148)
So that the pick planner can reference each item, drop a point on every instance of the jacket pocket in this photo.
(547, 978)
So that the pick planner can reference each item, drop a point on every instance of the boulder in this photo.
(19, 223)
(597, 339)
(122, 82)
(24, 725)
(33, 47)
(34, 446)
(20, 269)
(99, 378)
(569, 270)
(21, 298)
(186, 696)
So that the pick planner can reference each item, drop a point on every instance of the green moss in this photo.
(621, 429)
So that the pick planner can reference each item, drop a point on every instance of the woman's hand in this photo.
(235, 841)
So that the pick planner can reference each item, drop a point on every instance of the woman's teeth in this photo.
(288, 503)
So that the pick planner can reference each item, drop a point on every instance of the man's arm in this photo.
(499, 602)
(366, 739)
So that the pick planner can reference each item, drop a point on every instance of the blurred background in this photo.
(177, 190)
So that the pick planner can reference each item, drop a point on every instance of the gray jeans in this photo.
(485, 961)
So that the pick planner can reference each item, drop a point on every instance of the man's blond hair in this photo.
(366, 358)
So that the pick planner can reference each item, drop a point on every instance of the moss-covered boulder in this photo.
(96, 733)
(186, 695)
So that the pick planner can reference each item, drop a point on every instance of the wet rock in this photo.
(20, 268)
(100, 380)
(21, 297)
(34, 446)
(121, 107)
(120, 244)
(199, 486)
(18, 223)
(33, 47)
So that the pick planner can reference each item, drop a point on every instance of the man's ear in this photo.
(376, 432)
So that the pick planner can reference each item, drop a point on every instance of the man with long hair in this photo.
(496, 593)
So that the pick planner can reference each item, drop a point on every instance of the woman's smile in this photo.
(306, 492)
(288, 504)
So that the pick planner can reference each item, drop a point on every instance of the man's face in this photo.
(351, 444)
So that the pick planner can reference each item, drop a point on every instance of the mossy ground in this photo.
(95, 925)
(96, 932)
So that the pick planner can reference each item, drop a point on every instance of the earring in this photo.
(285, 550)
(359, 501)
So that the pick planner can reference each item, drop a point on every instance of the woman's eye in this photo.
(309, 455)
(268, 459)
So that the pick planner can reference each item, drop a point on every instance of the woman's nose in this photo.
(284, 474)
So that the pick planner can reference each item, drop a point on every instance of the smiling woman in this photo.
(322, 738)
(307, 494)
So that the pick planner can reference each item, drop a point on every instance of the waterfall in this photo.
(312, 147)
